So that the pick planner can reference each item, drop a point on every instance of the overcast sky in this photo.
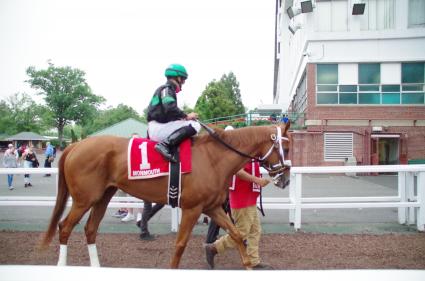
(124, 46)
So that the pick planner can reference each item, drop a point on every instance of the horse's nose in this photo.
(286, 183)
(281, 181)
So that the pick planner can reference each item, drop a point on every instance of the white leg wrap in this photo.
(63, 251)
(94, 258)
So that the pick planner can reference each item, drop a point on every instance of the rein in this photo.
(217, 138)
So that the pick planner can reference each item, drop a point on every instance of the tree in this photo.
(5, 121)
(20, 113)
(220, 98)
(66, 93)
(110, 117)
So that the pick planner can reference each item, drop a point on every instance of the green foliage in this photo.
(261, 122)
(220, 98)
(66, 93)
(67, 131)
(238, 124)
(73, 136)
(110, 117)
(6, 123)
(19, 113)
(187, 109)
(55, 142)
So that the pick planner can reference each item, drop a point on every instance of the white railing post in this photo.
(298, 195)
(421, 199)
(292, 185)
(410, 195)
(402, 196)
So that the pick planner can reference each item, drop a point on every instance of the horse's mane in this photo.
(238, 137)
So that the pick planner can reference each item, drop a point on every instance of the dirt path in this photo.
(282, 251)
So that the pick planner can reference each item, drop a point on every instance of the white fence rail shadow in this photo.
(410, 201)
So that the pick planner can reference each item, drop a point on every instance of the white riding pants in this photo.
(160, 131)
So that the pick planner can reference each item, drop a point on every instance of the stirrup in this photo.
(164, 151)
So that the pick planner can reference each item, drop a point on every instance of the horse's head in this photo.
(276, 158)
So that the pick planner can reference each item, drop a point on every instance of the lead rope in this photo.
(261, 203)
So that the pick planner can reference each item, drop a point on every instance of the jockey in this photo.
(168, 124)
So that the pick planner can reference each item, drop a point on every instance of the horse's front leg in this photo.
(188, 221)
(220, 218)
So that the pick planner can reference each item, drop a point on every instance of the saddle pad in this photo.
(144, 162)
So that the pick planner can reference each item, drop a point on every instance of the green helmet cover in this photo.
(176, 70)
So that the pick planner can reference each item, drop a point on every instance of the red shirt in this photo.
(244, 193)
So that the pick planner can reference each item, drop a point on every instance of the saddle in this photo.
(144, 162)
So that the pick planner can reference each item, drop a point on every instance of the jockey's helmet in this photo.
(228, 128)
(176, 70)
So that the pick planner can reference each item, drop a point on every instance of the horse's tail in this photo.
(61, 199)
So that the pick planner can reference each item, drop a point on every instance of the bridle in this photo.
(276, 169)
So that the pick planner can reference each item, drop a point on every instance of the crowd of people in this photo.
(24, 156)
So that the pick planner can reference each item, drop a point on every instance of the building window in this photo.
(327, 74)
(416, 13)
(299, 103)
(327, 84)
(390, 94)
(413, 87)
(348, 94)
(338, 146)
(369, 90)
(369, 73)
(412, 72)
(379, 15)
(369, 79)
(332, 15)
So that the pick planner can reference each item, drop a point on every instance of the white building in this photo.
(356, 70)
(388, 32)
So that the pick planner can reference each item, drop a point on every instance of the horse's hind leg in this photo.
(188, 221)
(66, 226)
(97, 212)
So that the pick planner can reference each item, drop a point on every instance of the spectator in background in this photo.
(50, 157)
(10, 160)
(284, 119)
(30, 161)
(21, 150)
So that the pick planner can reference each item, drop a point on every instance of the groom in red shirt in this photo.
(244, 191)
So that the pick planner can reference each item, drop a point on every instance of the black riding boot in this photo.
(166, 147)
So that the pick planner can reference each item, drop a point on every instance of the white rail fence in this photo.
(410, 204)
(410, 201)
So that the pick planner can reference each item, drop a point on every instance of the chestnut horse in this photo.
(92, 170)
